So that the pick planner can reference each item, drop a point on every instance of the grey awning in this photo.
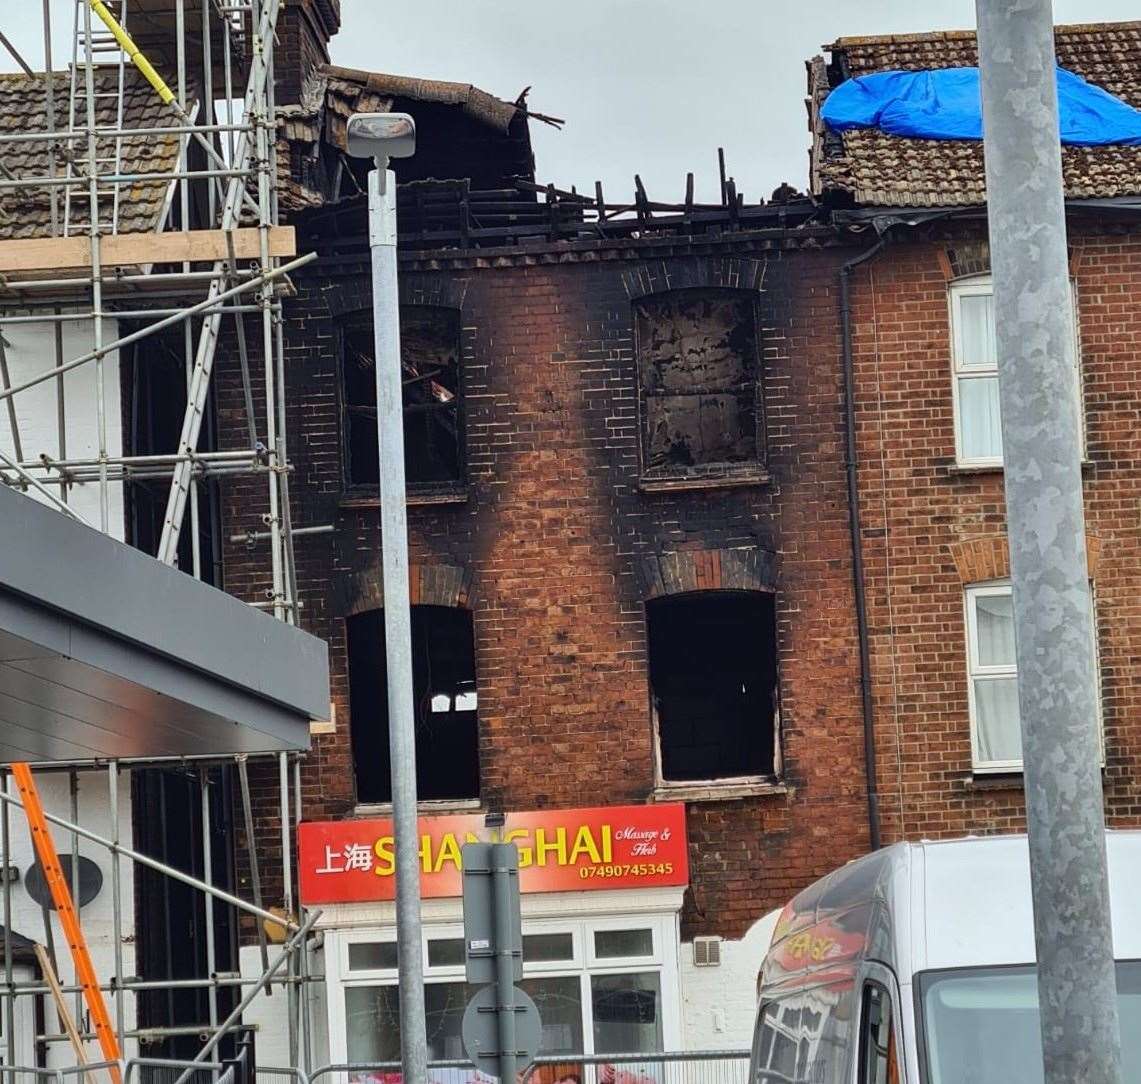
(106, 652)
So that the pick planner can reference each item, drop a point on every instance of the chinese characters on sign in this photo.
(351, 856)
(564, 850)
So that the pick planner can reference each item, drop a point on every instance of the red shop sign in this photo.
(560, 850)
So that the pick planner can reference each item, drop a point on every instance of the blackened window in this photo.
(445, 704)
(698, 372)
(713, 676)
(433, 414)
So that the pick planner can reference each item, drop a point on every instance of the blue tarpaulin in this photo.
(945, 104)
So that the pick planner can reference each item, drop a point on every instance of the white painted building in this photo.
(30, 349)
(95, 916)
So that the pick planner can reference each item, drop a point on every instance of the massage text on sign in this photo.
(563, 850)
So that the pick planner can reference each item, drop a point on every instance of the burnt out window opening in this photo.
(433, 414)
(445, 704)
(713, 681)
(698, 372)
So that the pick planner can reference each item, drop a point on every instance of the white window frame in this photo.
(983, 286)
(975, 669)
(584, 964)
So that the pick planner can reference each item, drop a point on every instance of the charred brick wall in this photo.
(558, 547)
(304, 30)
(929, 527)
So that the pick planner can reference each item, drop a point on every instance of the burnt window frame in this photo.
(752, 470)
(380, 678)
(743, 782)
(457, 486)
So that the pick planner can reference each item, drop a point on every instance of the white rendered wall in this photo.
(719, 1004)
(269, 1016)
(30, 350)
(96, 918)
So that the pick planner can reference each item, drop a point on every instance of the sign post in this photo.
(501, 1024)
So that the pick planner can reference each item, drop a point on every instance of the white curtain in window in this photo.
(996, 719)
(976, 332)
(995, 622)
(980, 422)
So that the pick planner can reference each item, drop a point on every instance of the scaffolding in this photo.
(289, 968)
(214, 260)
(225, 206)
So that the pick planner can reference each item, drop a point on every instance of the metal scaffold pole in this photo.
(247, 150)
(1042, 443)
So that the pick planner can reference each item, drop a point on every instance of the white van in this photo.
(915, 964)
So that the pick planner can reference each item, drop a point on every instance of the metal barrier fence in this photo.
(269, 1074)
(167, 1071)
(21, 1074)
(674, 1067)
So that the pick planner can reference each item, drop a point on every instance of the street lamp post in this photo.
(382, 136)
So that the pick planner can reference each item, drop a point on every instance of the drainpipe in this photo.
(850, 464)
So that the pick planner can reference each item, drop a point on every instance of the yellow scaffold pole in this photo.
(135, 55)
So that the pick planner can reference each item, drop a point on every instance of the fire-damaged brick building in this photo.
(632, 590)
(708, 572)
(929, 443)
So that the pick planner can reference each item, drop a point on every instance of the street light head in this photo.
(381, 135)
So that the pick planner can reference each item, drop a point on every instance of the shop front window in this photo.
(601, 987)
(559, 1001)
(373, 1017)
(627, 1012)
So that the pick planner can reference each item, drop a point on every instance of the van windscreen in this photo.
(981, 1025)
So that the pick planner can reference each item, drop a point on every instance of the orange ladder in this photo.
(68, 918)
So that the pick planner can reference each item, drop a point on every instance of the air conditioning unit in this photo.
(707, 952)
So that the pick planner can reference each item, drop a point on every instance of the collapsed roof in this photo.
(869, 168)
(464, 132)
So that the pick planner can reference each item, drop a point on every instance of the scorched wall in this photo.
(555, 546)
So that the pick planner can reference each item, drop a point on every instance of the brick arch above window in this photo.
(738, 569)
(353, 294)
(441, 291)
(429, 584)
(967, 259)
(978, 560)
(662, 276)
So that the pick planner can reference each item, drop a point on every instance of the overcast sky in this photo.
(652, 87)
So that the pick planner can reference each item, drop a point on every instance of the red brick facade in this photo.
(930, 528)
(556, 548)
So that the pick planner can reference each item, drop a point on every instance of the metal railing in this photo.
(94, 1071)
(667, 1067)
(270, 1074)
(167, 1071)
